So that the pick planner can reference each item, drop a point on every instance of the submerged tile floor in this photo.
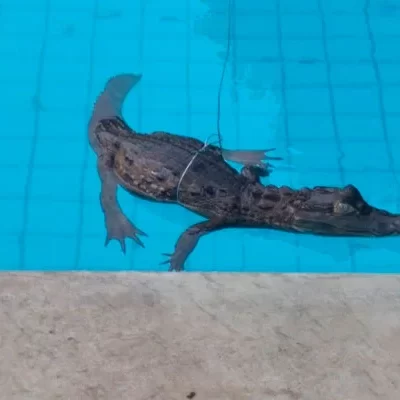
(317, 79)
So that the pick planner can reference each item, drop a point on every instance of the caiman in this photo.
(170, 168)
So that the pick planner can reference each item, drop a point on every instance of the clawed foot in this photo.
(188, 241)
(176, 261)
(120, 228)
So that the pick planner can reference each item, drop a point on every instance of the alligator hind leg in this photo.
(188, 241)
(117, 224)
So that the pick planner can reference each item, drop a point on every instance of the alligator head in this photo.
(341, 212)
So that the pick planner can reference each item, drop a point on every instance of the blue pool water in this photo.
(317, 79)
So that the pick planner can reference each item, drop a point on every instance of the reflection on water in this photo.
(252, 45)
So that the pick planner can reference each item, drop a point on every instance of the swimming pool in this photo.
(319, 80)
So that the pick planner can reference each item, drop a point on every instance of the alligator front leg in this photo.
(117, 224)
(188, 241)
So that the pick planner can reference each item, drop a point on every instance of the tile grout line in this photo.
(36, 127)
(333, 115)
(378, 78)
(188, 53)
(255, 60)
(232, 9)
(84, 167)
(139, 89)
(285, 109)
(236, 101)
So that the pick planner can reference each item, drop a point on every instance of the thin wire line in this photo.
(206, 144)
(230, 8)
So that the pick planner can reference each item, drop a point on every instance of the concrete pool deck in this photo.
(134, 336)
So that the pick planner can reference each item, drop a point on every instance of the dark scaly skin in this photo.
(151, 166)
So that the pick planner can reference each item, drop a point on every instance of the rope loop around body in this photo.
(206, 144)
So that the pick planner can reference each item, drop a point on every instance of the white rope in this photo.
(206, 144)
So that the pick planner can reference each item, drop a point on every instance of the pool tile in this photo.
(310, 25)
(391, 97)
(308, 101)
(162, 121)
(19, 95)
(244, 6)
(389, 74)
(385, 25)
(155, 29)
(111, 6)
(53, 217)
(169, 74)
(256, 25)
(353, 74)
(93, 219)
(385, 49)
(204, 101)
(60, 92)
(50, 253)
(347, 50)
(63, 125)
(226, 252)
(385, 197)
(258, 78)
(356, 100)
(71, 24)
(91, 185)
(297, 49)
(15, 153)
(94, 255)
(311, 127)
(159, 49)
(23, 23)
(118, 24)
(343, 7)
(360, 156)
(72, 5)
(68, 49)
(256, 131)
(294, 6)
(308, 74)
(154, 99)
(326, 254)
(22, 48)
(314, 178)
(321, 154)
(377, 255)
(269, 250)
(202, 50)
(256, 50)
(13, 182)
(56, 184)
(353, 25)
(61, 153)
(12, 211)
(364, 127)
(9, 253)
(13, 69)
(393, 126)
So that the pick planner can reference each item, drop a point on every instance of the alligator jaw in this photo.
(375, 223)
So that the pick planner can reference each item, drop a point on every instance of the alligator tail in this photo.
(110, 100)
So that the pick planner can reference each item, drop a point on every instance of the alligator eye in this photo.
(343, 208)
